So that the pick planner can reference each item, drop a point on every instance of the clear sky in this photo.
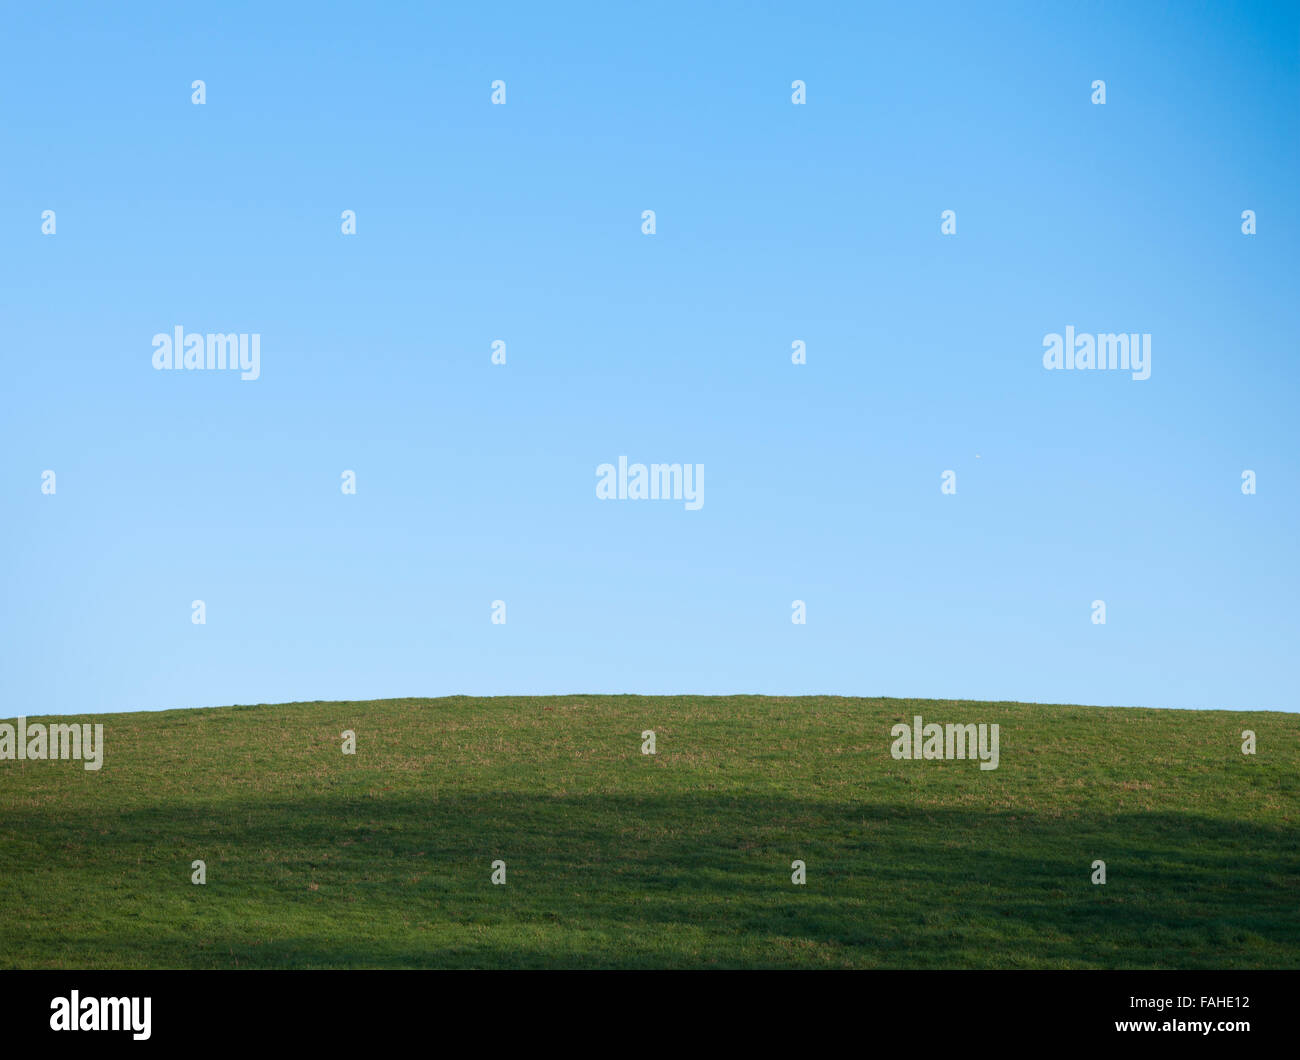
(774, 223)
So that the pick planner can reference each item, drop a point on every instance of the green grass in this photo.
(617, 859)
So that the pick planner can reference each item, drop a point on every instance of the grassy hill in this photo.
(619, 859)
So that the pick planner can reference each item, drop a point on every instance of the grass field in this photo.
(680, 859)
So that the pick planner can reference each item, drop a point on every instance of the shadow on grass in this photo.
(621, 881)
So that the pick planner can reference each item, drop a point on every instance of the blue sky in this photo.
(774, 223)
